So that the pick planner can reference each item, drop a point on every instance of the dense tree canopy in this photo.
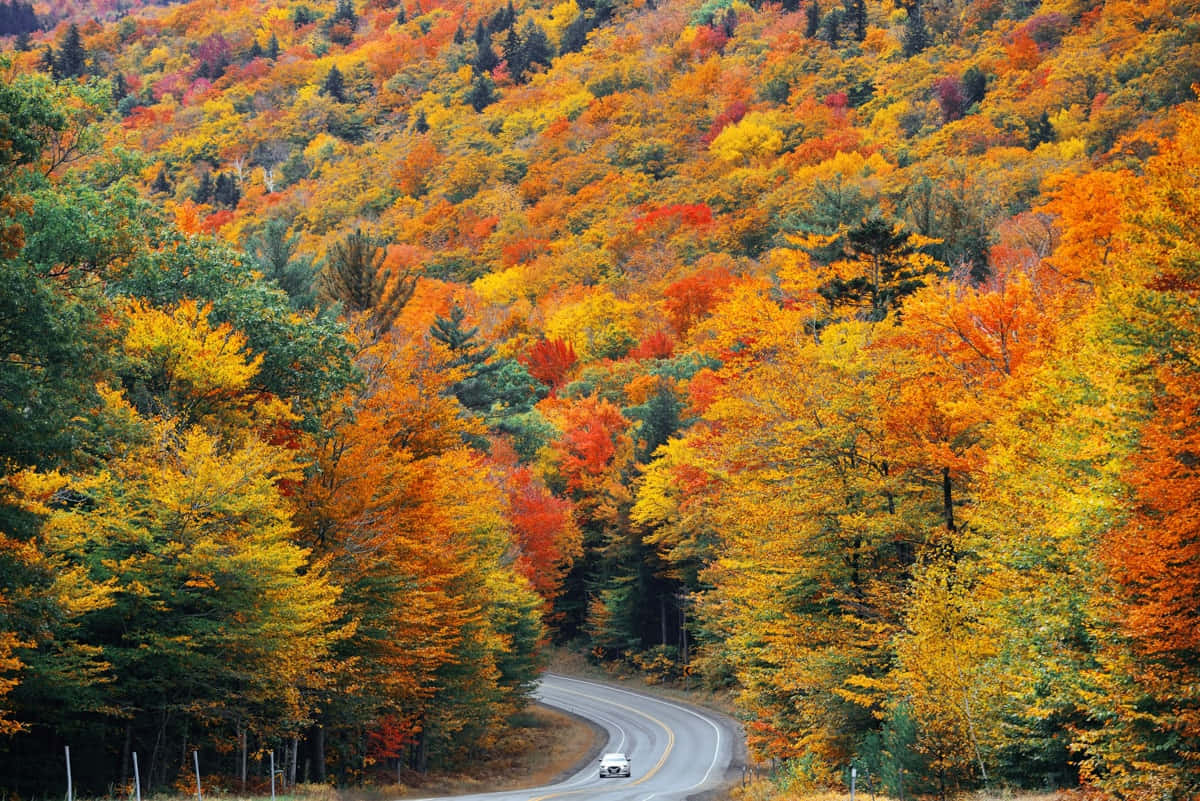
(840, 354)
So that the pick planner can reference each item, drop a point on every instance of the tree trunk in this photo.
(319, 752)
(422, 752)
(683, 638)
(947, 500)
(158, 749)
(125, 752)
(243, 739)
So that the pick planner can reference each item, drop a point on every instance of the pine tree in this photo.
(275, 254)
(974, 84)
(420, 123)
(161, 184)
(71, 59)
(916, 35)
(812, 19)
(204, 191)
(482, 93)
(485, 60)
(514, 55)
(537, 45)
(354, 277)
(344, 12)
(334, 85)
(857, 11)
(574, 36)
(273, 47)
(503, 19)
(226, 191)
(120, 88)
(17, 18)
(489, 384)
(1040, 131)
(831, 27)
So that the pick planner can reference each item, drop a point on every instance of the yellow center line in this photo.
(649, 774)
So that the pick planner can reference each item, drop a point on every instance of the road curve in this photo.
(676, 751)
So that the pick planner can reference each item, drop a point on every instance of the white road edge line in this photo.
(693, 713)
(586, 776)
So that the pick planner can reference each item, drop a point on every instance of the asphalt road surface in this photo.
(675, 751)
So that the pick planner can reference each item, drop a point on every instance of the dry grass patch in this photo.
(542, 745)
(764, 791)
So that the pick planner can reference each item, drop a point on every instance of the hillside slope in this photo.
(838, 352)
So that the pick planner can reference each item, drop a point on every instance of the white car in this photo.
(614, 765)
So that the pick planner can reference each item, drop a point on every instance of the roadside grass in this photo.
(762, 790)
(542, 745)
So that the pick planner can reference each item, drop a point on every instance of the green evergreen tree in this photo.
(503, 19)
(71, 59)
(334, 85)
(485, 60)
(574, 36)
(226, 191)
(344, 12)
(537, 45)
(274, 253)
(916, 35)
(120, 89)
(658, 418)
(482, 93)
(812, 19)
(273, 47)
(831, 27)
(204, 190)
(856, 10)
(974, 84)
(354, 278)
(161, 184)
(891, 274)
(1040, 131)
(514, 55)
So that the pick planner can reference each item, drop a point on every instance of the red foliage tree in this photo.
(549, 361)
(689, 299)
(545, 532)
(658, 345)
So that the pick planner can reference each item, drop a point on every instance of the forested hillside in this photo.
(843, 354)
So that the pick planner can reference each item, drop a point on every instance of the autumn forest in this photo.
(843, 355)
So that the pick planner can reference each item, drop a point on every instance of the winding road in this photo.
(676, 751)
